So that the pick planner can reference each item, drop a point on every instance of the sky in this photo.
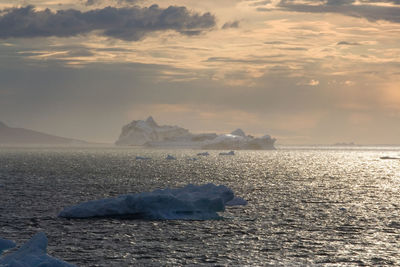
(303, 71)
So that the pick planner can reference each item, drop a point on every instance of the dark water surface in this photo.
(307, 206)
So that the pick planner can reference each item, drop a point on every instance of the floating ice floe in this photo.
(203, 154)
(170, 157)
(142, 158)
(230, 153)
(188, 203)
(33, 254)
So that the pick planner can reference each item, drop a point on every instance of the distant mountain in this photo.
(149, 133)
(21, 136)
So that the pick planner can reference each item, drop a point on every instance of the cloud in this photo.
(129, 23)
(372, 10)
(231, 24)
(311, 82)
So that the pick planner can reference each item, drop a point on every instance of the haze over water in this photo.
(306, 205)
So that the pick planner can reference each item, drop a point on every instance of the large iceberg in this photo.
(140, 132)
(32, 254)
(191, 202)
(149, 133)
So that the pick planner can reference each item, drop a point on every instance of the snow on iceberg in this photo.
(191, 202)
(33, 254)
(140, 132)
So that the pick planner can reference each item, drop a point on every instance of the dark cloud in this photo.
(264, 60)
(294, 48)
(261, 3)
(397, 2)
(347, 43)
(339, 2)
(92, 2)
(274, 42)
(231, 24)
(129, 23)
(346, 7)
(98, 2)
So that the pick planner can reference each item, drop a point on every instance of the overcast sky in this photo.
(305, 72)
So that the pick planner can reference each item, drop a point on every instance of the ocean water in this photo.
(306, 206)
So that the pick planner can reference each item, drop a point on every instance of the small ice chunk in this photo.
(387, 157)
(230, 153)
(142, 158)
(236, 201)
(191, 202)
(33, 254)
(6, 244)
(170, 157)
(203, 154)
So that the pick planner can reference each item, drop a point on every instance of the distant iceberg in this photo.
(32, 254)
(230, 153)
(149, 133)
(191, 202)
(170, 157)
(142, 158)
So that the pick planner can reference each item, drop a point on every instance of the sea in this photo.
(307, 206)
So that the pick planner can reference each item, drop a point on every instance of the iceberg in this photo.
(33, 254)
(6, 244)
(230, 153)
(238, 140)
(191, 202)
(149, 133)
(141, 132)
(170, 157)
(142, 158)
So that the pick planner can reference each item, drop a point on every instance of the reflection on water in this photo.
(306, 205)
